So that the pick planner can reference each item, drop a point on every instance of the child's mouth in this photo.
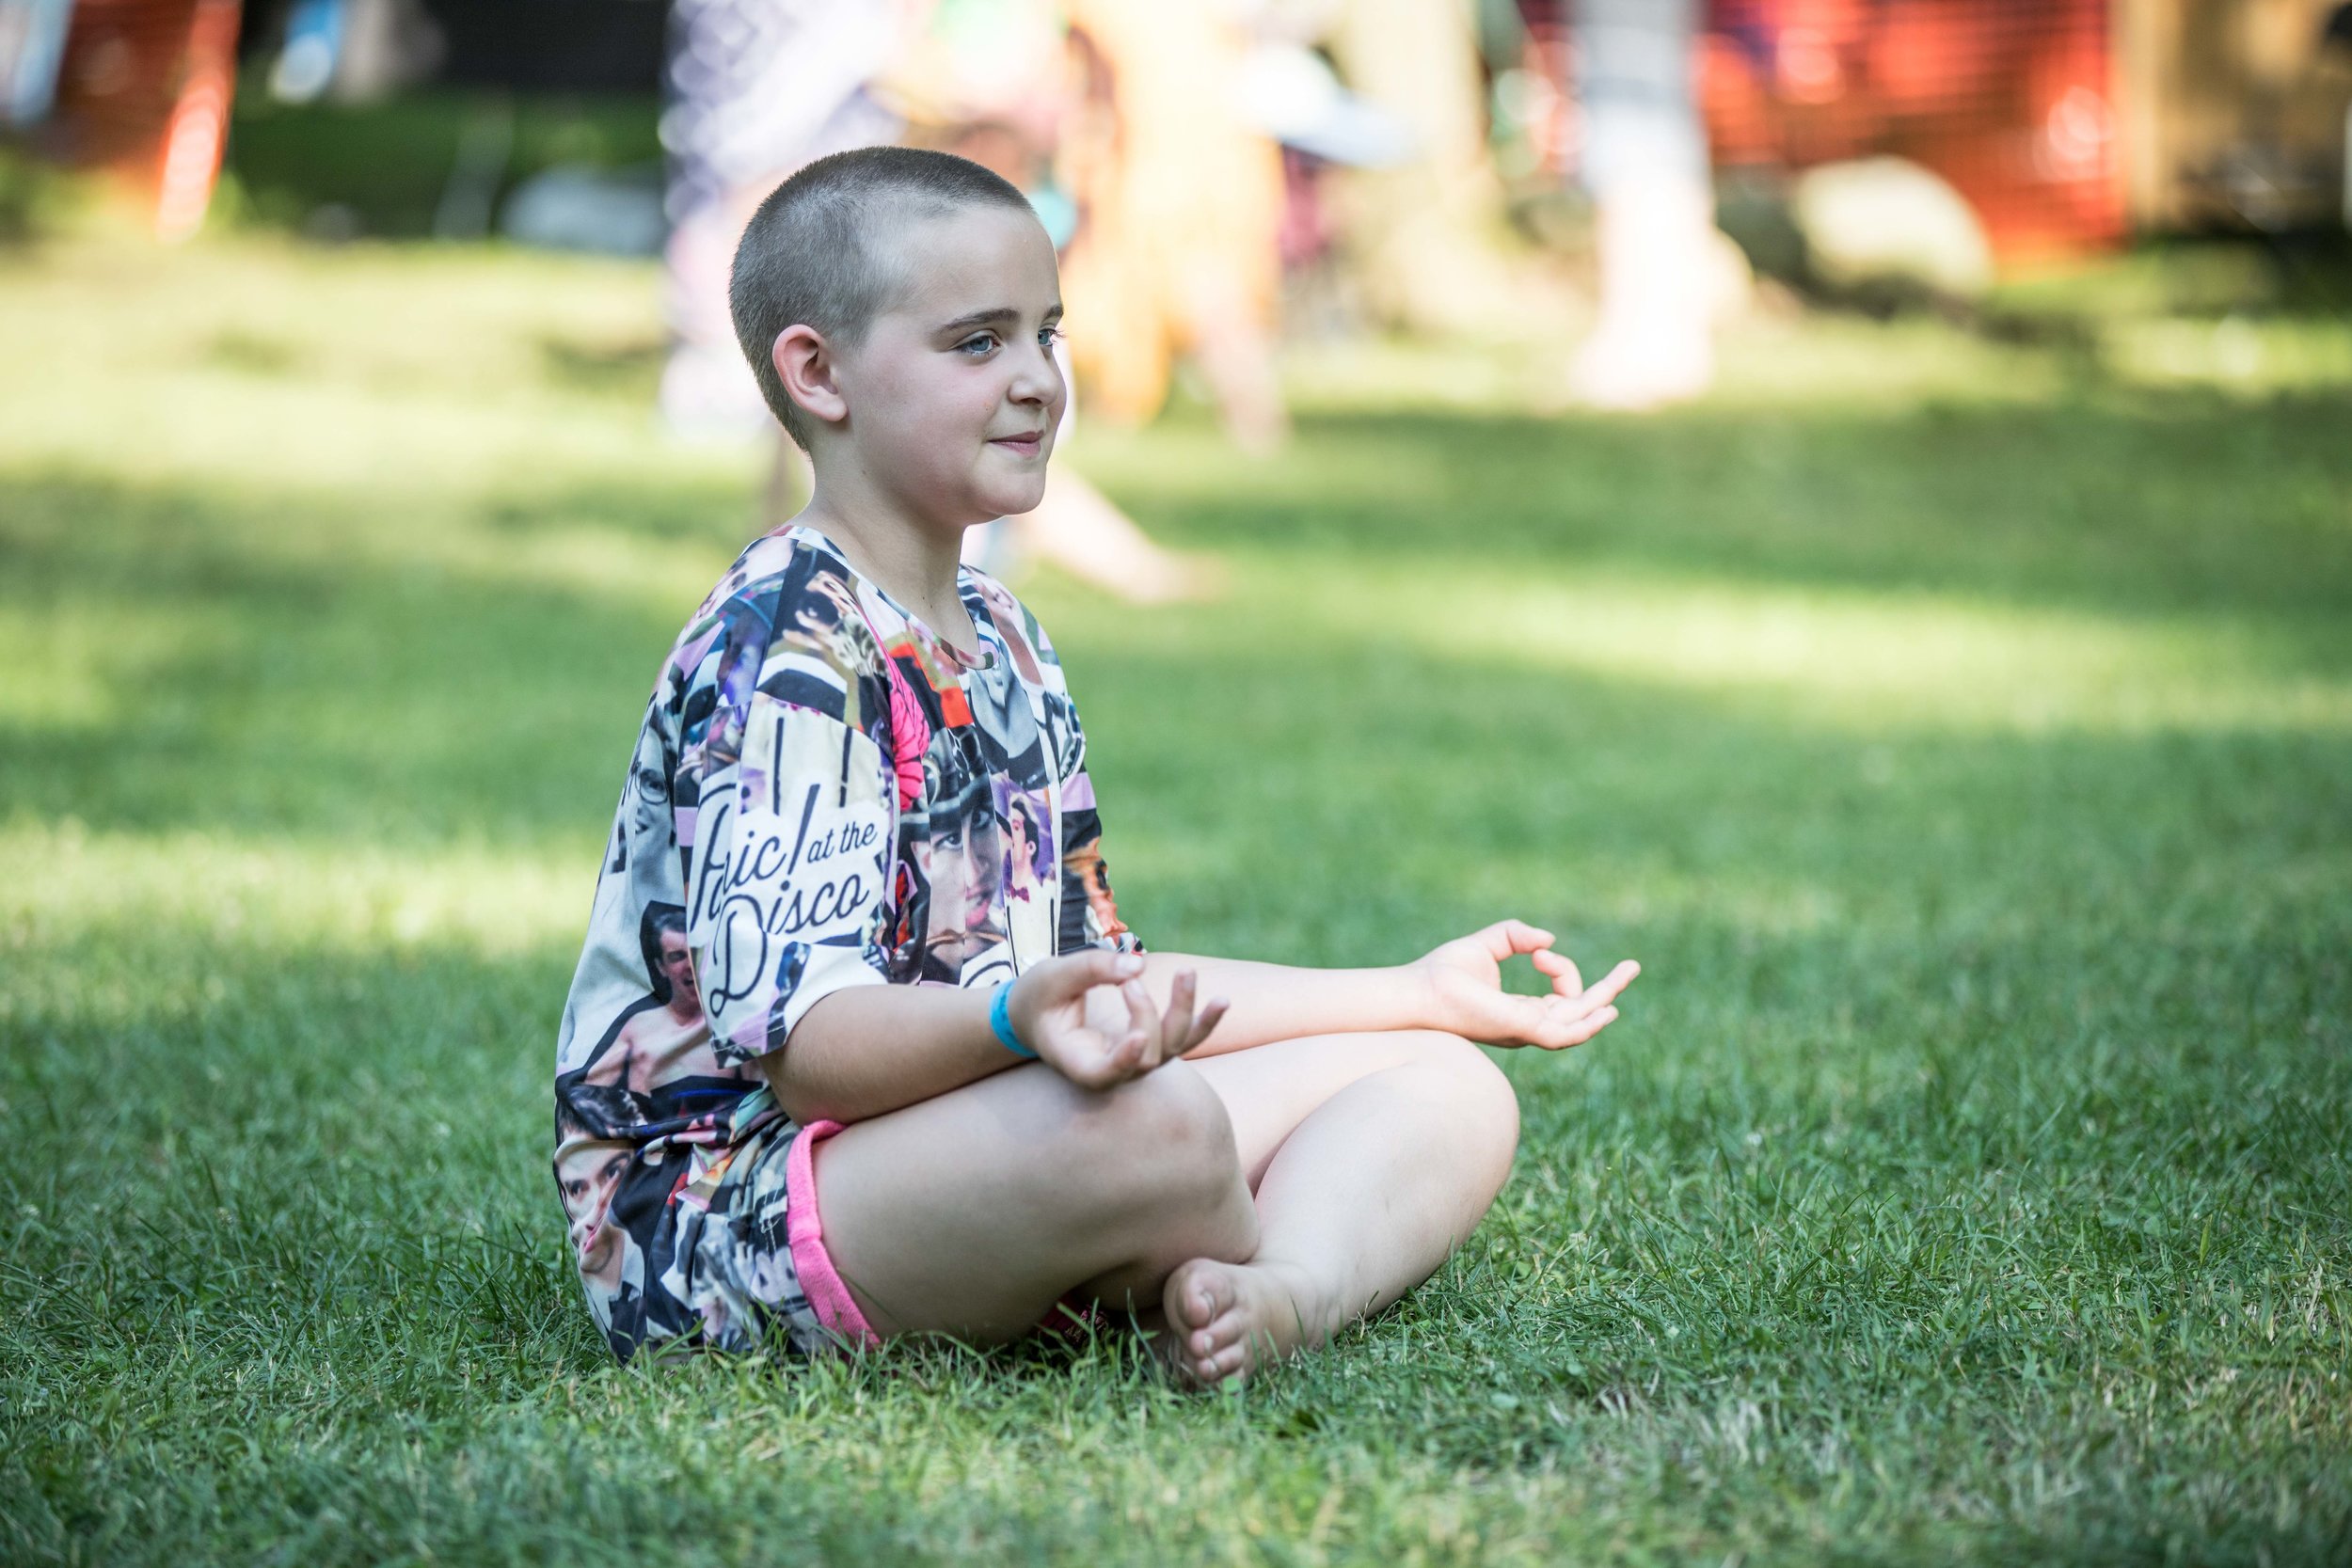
(1020, 446)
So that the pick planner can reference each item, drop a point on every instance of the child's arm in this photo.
(866, 1050)
(1456, 988)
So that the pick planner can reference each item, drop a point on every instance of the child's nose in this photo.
(1040, 378)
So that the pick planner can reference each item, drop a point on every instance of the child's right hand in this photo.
(1089, 1017)
(1465, 979)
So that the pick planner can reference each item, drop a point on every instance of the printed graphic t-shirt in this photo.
(795, 820)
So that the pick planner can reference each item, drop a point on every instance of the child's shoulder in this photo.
(773, 578)
(790, 598)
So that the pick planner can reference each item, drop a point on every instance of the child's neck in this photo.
(912, 565)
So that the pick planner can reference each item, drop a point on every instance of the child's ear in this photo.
(805, 364)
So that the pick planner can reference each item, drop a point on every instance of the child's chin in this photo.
(1010, 500)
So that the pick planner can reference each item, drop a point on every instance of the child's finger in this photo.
(1176, 1024)
(1143, 1025)
(1505, 938)
(1095, 1067)
(1102, 967)
(1069, 978)
(1566, 981)
(1143, 1014)
(1127, 1057)
(1204, 1024)
(1577, 1031)
(1607, 988)
(1603, 992)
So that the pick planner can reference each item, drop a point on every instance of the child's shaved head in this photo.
(818, 253)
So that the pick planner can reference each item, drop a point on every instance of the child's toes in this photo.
(1225, 1320)
(1203, 1313)
(1231, 1357)
(1196, 1295)
(1212, 1296)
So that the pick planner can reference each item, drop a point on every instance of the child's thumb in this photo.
(1100, 966)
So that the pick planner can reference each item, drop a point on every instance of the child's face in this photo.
(954, 395)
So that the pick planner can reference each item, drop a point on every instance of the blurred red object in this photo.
(144, 92)
(2011, 101)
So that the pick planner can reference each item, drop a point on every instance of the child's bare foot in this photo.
(1226, 1320)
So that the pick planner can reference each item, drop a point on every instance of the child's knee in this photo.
(1159, 1165)
(1165, 1136)
(1171, 1122)
(1473, 1083)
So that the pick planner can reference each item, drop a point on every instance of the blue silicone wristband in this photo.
(1000, 1020)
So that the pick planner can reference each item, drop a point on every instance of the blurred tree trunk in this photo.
(1425, 231)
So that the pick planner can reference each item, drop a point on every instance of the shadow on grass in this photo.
(219, 681)
(630, 370)
(2125, 504)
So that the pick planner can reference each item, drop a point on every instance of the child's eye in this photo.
(1049, 336)
(977, 344)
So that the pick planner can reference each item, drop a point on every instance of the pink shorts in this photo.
(827, 1296)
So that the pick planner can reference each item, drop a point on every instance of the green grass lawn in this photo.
(1960, 732)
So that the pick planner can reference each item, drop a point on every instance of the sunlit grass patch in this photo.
(64, 886)
(62, 672)
(1885, 661)
(2235, 354)
(297, 368)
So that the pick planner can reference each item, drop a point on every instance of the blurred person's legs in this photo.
(1084, 533)
(755, 89)
(1645, 163)
(1233, 346)
(1180, 250)
(707, 391)
(1422, 232)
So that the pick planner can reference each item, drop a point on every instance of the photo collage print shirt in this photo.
(798, 818)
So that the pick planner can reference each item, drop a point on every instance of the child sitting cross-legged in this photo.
(859, 1046)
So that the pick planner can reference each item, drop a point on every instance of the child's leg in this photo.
(1373, 1156)
(971, 1214)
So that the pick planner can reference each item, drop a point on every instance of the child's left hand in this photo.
(1465, 979)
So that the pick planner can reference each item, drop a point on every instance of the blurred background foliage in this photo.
(381, 169)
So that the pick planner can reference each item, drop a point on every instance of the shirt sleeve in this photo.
(1089, 913)
(787, 856)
